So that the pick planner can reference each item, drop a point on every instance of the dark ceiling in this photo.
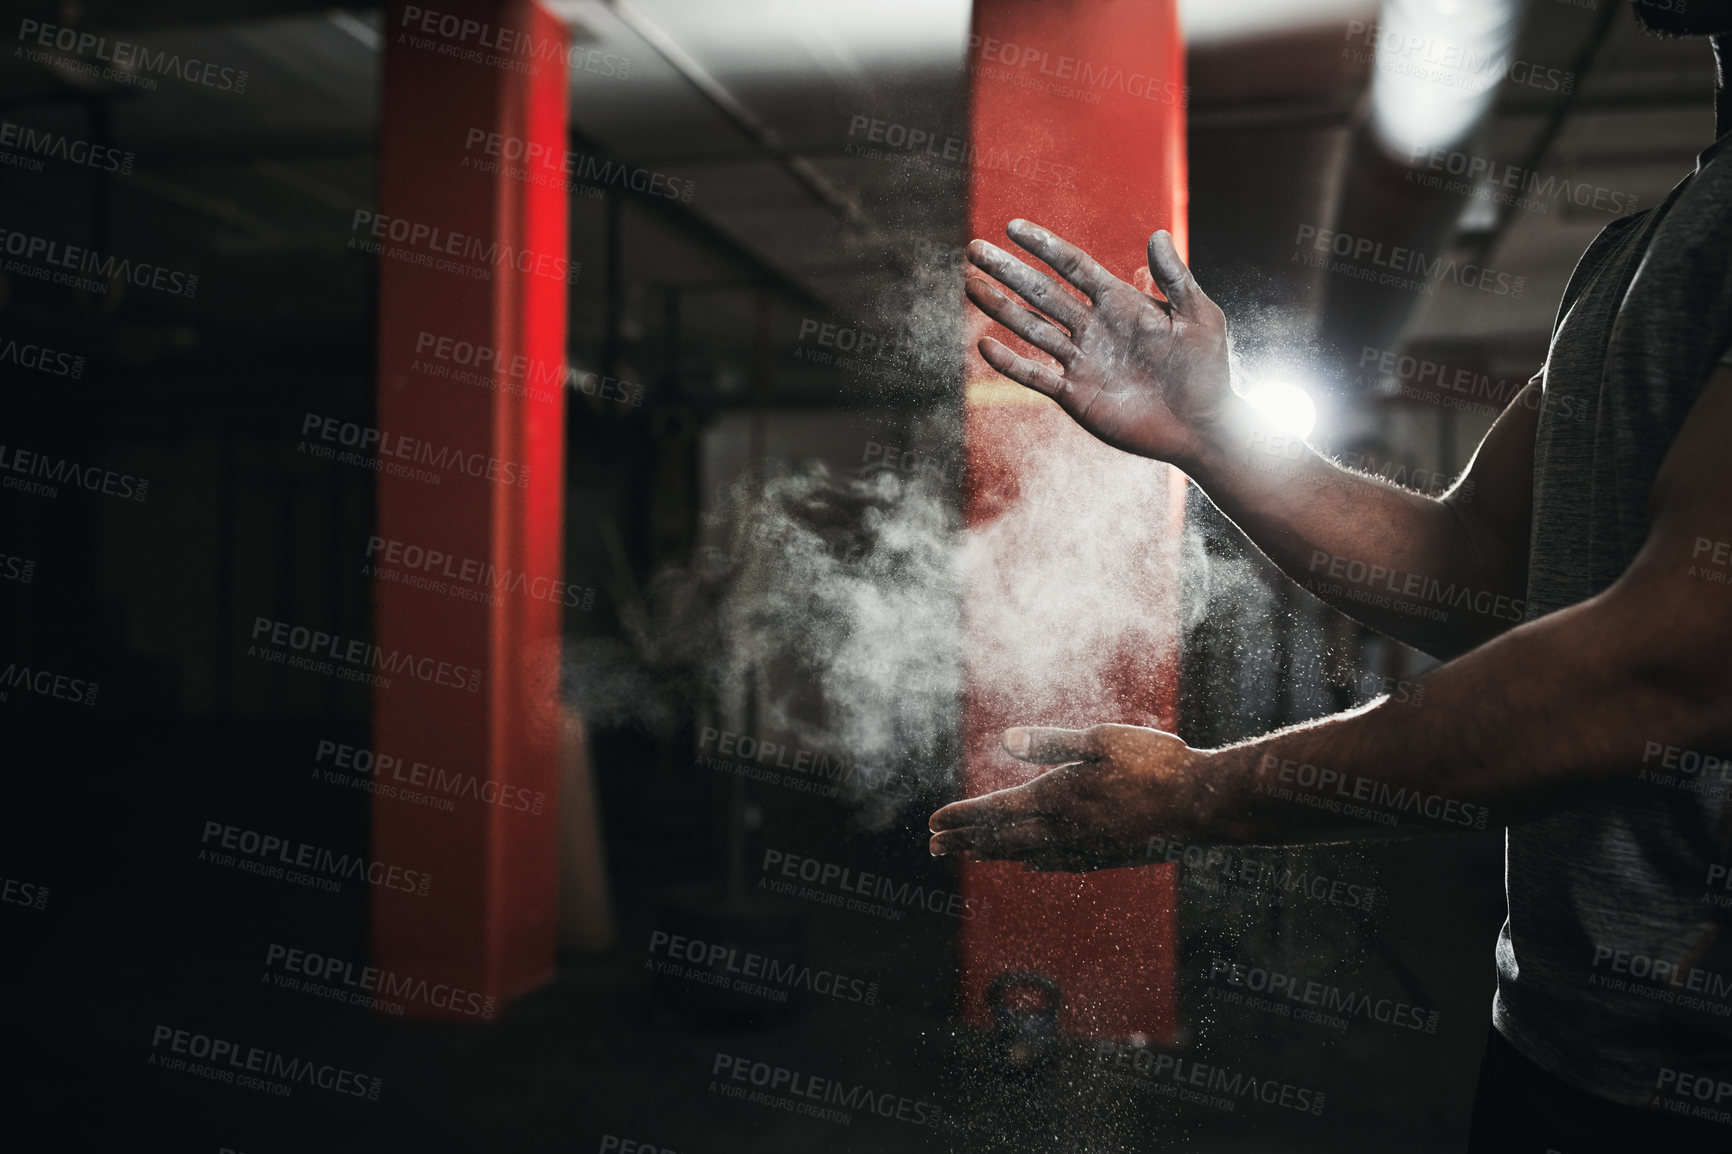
(753, 103)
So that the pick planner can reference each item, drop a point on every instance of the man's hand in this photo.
(1116, 786)
(1143, 374)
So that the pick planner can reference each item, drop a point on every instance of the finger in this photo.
(1000, 807)
(1172, 277)
(1036, 288)
(1023, 371)
(1063, 257)
(1145, 284)
(963, 843)
(1025, 323)
(1046, 746)
(997, 842)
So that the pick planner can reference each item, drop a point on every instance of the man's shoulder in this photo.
(1688, 262)
(1701, 217)
(1599, 252)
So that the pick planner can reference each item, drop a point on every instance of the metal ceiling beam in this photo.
(741, 117)
(684, 217)
(1484, 243)
(131, 16)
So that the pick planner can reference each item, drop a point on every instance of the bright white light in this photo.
(1437, 67)
(746, 37)
(1284, 407)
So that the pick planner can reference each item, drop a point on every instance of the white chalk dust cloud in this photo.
(1075, 583)
(845, 595)
(853, 613)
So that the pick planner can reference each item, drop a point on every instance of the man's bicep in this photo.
(1690, 507)
(1673, 605)
(1494, 499)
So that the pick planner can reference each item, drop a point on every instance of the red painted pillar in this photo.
(473, 257)
(1077, 124)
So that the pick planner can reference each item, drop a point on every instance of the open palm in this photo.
(1143, 374)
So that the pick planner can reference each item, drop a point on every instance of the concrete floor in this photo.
(135, 936)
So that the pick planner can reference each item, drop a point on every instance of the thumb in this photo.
(1046, 746)
(1172, 277)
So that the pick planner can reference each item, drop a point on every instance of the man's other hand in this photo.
(1115, 786)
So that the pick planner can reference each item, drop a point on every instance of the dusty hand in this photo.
(1145, 375)
(1115, 787)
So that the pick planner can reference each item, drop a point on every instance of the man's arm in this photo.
(1442, 574)
(1546, 714)
(1151, 377)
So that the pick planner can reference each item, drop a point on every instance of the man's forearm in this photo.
(1400, 561)
(1540, 719)
(1534, 720)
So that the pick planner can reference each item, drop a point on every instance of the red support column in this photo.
(472, 258)
(1077, 124)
